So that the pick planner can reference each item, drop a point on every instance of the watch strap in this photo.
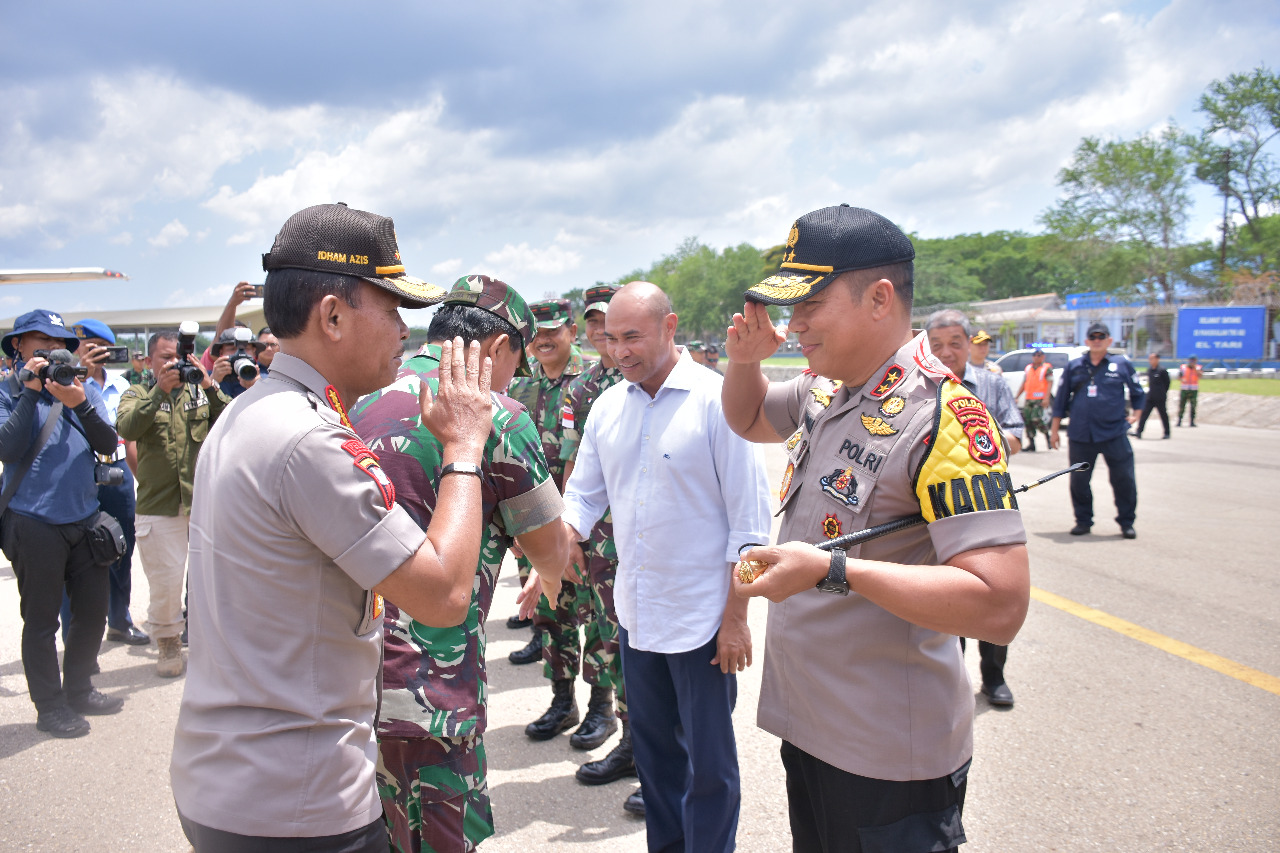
(460, 468)
(835, 581)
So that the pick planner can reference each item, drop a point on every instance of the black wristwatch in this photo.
(835, 581)
(460, 468)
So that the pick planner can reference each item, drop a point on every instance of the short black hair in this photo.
(265, 330)
(901, 275)
(457, 319)
(169, 335)
(291, 294)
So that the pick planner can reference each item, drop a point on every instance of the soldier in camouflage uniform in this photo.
(559, 362)
(602, 565)
(431, 756)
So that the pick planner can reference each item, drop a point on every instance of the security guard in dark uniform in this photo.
(1092, 391)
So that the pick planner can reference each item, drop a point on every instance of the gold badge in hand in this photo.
(749, 570)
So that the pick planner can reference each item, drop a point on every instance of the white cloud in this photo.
(170, 235)
(512, 260)
(447, 268)
(124, 238)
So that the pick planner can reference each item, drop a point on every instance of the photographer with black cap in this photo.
(296, 535)
(51, 424)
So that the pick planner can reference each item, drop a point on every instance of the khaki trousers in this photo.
(162, 545)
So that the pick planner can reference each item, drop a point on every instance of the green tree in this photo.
(1232, 151)
(1129, 196)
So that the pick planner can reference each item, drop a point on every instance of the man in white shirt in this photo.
(686, 494)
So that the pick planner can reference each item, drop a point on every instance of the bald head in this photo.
(640, 334)
(646, 298)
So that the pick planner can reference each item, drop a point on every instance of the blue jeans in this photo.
(681, 710)
(1119, 455)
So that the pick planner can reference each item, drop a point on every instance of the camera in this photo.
(188, 372)
(242, 363)
(107, 475)
(59, 369)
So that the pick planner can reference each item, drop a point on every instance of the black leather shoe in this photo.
(183, 637)
(1080, 530)
(96, 704)
(62, 722)
(531, 653)
(562, 715)
(515, 622)
(599, 724)
(1000, 696)
(1166, 435)
(634, 804)
(1128, 533)
(130, 636)
(618, 764)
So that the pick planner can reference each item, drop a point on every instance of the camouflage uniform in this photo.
(431, 768)
(600, 620)
(543, 397)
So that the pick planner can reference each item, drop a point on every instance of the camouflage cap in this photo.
(827, 242)
(498, 298)
(597, 298)
(552, 313)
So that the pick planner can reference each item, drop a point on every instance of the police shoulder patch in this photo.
(964, 469)
(364, 459)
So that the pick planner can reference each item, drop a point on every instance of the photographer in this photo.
(44, 531)
(169, 421)
(234, 359)
(116, 497)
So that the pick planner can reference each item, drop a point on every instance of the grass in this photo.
(1253, 387)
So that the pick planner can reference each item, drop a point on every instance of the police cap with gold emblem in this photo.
(335, 238)
(827, 242)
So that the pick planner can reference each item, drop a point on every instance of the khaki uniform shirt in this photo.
(169, 430)
(293, 521)
(844, 679)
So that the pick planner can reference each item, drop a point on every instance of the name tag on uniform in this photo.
(1092, 390)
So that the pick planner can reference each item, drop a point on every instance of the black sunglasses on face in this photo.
(1097, 337)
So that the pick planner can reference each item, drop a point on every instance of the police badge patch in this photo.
(893, 406)
(840, 485)
(889, 381)
(364, 459)
(831, 526)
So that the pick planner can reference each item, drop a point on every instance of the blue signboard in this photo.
(1213, 333)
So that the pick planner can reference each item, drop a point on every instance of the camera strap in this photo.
(41, 440)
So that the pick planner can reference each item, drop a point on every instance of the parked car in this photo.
(1015, 361)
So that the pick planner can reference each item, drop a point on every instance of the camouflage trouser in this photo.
(589, 606)
(435, 797)
(1033, 418)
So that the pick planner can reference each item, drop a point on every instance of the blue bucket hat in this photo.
(94, 329)
(39, 320)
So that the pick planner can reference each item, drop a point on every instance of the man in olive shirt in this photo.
(876, 729)
(169, 421)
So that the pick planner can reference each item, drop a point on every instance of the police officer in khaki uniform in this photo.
(877, 727)
(295, 535)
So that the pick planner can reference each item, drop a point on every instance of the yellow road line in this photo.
(1174, 647)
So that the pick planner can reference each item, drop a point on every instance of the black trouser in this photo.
(834, 811)
(366, 839)
(118, 502)
(1157, 403)
(991, 661)
(1119, 455)
(47, 558)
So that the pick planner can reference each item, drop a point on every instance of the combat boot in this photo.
(563, 713)
(618, 764)
(599, 723)
(171, 663)
(531, 653)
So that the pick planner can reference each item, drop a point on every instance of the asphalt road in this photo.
(1114, 744)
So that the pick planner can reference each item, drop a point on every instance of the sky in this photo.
(559, 143)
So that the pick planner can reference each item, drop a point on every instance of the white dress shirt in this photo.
(686, 492)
